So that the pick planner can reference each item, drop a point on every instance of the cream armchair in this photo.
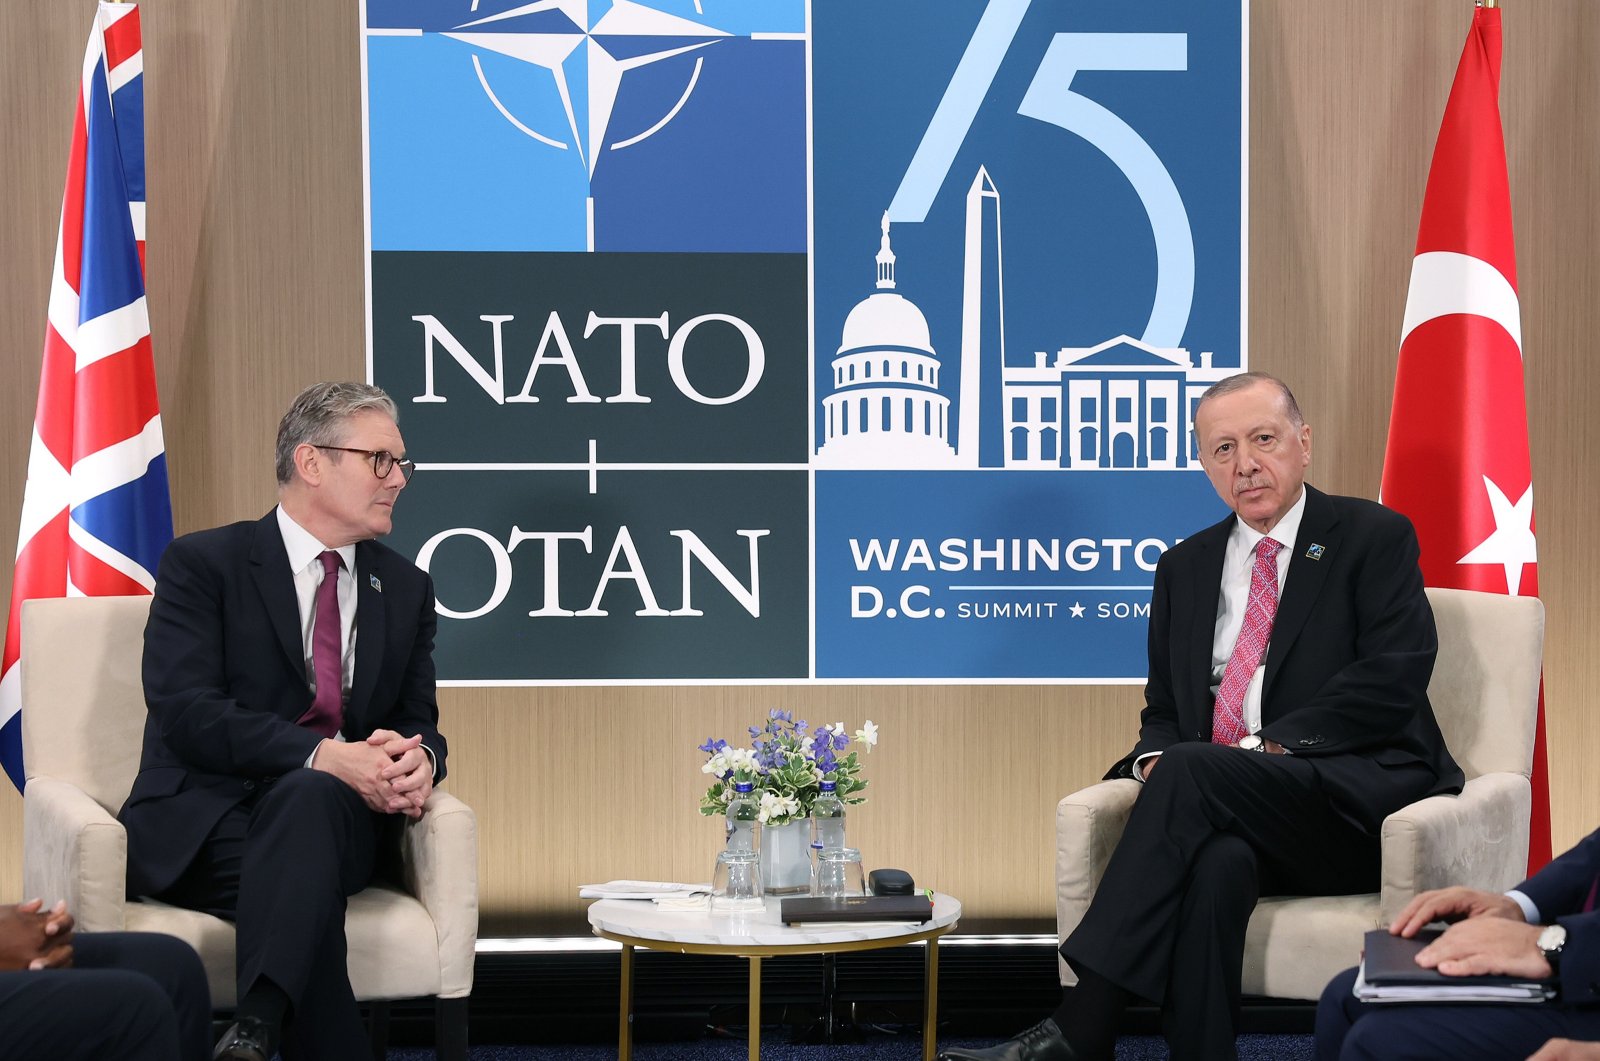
(82, 728)
(1485, 694)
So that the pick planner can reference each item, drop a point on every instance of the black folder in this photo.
(857, 908)
(1390, 973)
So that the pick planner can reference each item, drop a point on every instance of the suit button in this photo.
(249, 786)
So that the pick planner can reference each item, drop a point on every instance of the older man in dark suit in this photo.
(292, 728)
(1274, 738)
(1547, 927)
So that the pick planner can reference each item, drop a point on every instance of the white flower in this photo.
(776, 806)
(730, 759)
(868, 734)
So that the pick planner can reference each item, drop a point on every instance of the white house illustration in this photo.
(1121, 405)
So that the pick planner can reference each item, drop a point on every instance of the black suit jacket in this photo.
(225, 682)
(1347, 669)
(1560, 891)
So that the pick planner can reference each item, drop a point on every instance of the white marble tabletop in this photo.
(645, 920)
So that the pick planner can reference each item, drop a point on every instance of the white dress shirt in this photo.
(1238, 564)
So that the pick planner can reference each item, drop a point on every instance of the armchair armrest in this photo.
(439, 860)
(1479, 839)
(1088, 825)
(73, 849)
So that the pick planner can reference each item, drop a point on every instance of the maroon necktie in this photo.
(1227, 718)
(327, 661)
(1588, 904)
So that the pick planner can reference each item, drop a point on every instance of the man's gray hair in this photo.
(1243, 380)
(317, 417)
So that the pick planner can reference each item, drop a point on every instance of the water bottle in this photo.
(827, 820)
(744, 821)
(736, 883)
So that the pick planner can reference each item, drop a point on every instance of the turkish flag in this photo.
(1457, 462)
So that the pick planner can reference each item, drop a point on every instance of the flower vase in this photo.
(786, 858)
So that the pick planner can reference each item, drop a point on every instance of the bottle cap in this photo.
(827, 786)
(743, 787)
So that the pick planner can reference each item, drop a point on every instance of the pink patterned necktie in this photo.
(327, 659)
(1227, 718)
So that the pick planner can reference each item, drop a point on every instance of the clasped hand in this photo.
(391, 773)
(34, 938)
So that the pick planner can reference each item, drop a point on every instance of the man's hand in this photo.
(1452, 904)
(1567, 1050)
(1493, 946)
(410, 772)
(33, 939)
(361, 766)
(1149, 766)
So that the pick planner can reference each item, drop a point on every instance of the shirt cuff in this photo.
(433, 760)
(1138, 774)
(1530, 912)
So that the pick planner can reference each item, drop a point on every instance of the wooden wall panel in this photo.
(256, 288)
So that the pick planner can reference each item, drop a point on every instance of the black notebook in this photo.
(1390, 973)
(857, 908)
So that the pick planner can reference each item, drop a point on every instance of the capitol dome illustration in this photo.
(886, 410)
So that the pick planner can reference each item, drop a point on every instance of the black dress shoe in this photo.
(248, 1040)
(1042, 1042)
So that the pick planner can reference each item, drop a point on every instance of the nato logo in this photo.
(584, 125)
(1017, 276)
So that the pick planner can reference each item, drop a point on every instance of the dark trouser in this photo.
(281, 867)
(1351, 1030)
(1213, 828)
(134, 995)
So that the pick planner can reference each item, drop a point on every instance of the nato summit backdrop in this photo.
(758, 340)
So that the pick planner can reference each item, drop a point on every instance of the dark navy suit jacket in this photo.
(225, 681)
(1560, 891)
(1347, 670)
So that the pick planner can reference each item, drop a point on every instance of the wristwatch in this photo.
(1550, 942)
(1253, 743)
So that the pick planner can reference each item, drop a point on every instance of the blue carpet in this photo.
(879, 1048)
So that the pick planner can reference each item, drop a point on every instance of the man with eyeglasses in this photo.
(292, 728)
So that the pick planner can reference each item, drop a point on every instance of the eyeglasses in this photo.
(383, 462)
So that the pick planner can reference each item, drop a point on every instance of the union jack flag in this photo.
(95, 511)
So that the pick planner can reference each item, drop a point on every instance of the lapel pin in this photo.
(377, 585)
(1314, 552)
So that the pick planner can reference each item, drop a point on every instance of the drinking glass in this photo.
(736, 884)
(839, 873)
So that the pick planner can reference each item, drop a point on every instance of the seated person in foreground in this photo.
(1546, 927)
(134, 996)
(292, 728)
(1274, 740)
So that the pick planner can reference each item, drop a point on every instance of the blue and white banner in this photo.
(752, 340)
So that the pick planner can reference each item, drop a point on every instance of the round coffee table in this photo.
(634, 923)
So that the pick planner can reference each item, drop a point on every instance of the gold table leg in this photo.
(930, 1001)
(755, 1008)
(625, 1019)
